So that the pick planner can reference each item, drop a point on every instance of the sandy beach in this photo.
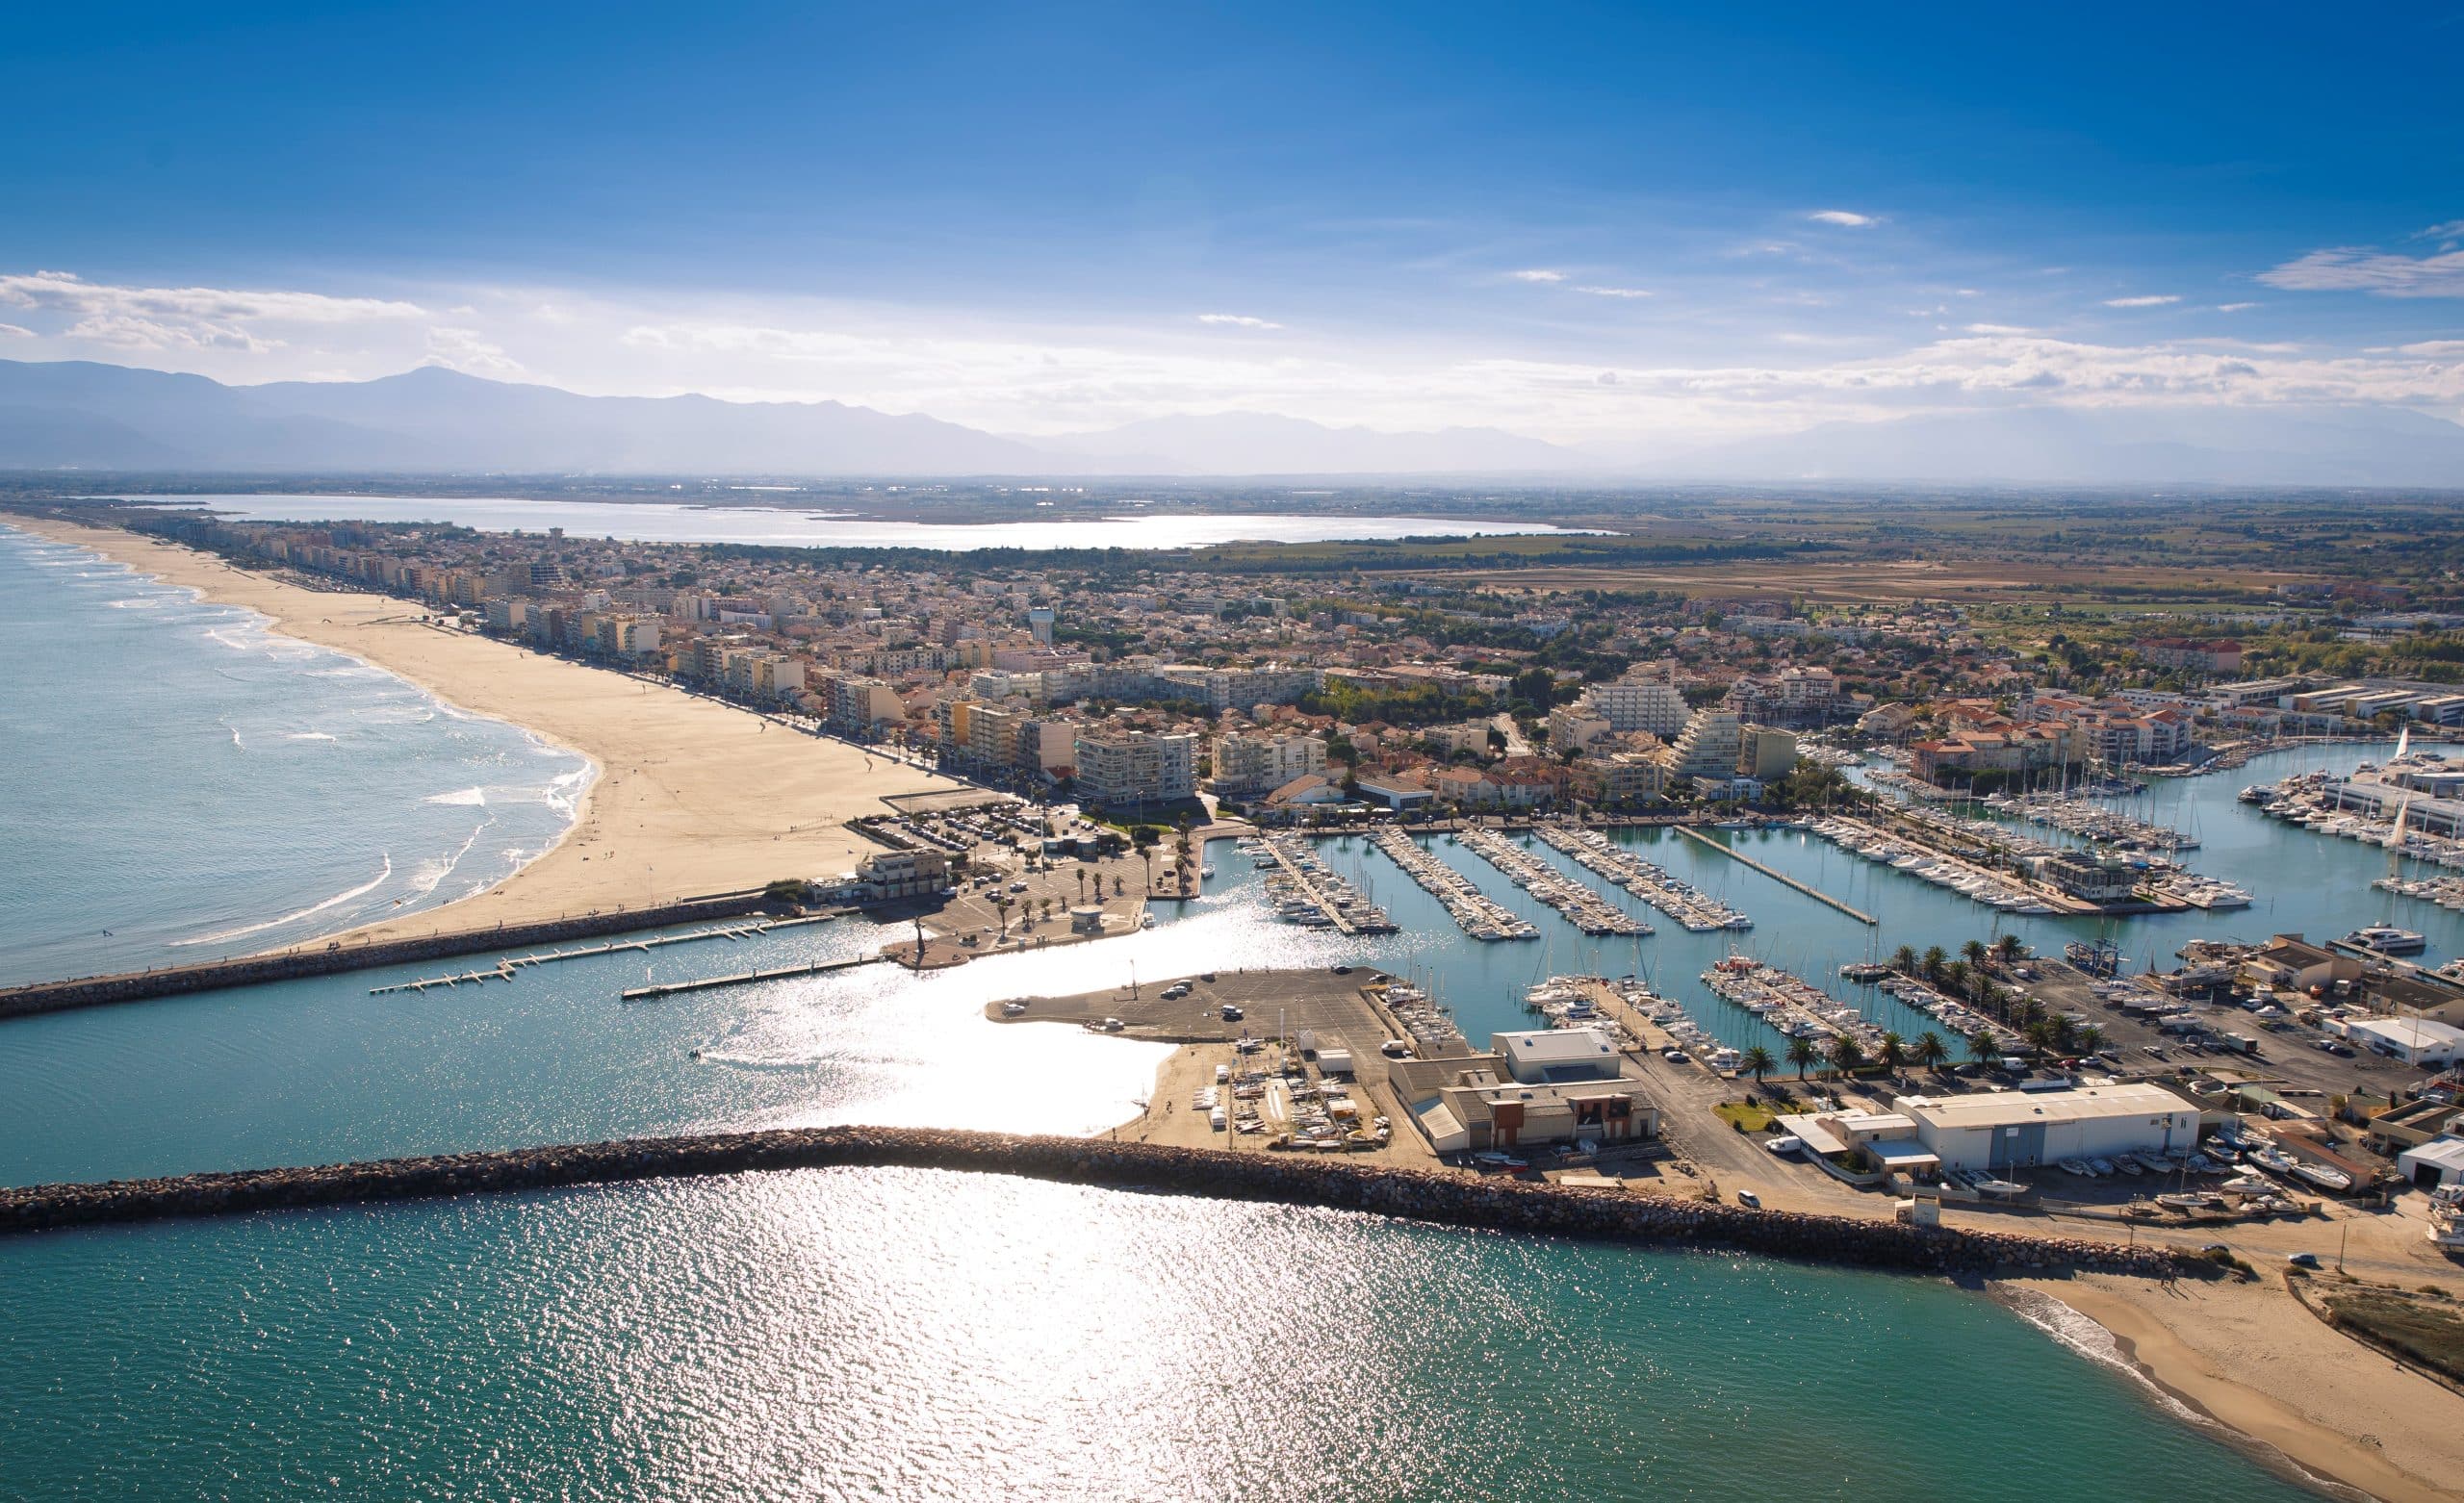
(2248, 1357)
(690, 796)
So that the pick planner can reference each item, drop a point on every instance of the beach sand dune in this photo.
(691, 796)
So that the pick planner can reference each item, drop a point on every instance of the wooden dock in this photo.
(506, 969)
(1781, 877)
(746, 978)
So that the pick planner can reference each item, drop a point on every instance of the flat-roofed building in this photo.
(1130, 769)
(1999, 1130)
(1529, 1090)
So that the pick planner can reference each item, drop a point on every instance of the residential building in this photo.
(1250, 763)
(1707, 747)
(1132, 769)
(1645, 698)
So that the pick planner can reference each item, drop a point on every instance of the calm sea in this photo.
(776, 522)
(923, 1334)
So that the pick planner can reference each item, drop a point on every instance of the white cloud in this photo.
(1845, 219)
(2452, 229)
(16, 331)
(1021, 377)
(1537, 274)
(469, 351)
(1238, 320)
(2146, 300)
(2358, 269)
(2235, 307)
(169, 318)
(1615, 292)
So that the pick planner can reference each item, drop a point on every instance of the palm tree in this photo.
(1802, 1054)
(1903, 959)
(1954, 977)
(1931, 1052)
(1982, 1046)
(1001, 905)
(1891, 1054)
(1759, 1063)
(2040, 1036)
(2065, 1033)
(1974, 952)
(1934, 957)
(1082, 884)
(2008, 948)
(1846, 1056)
(2091, 1039)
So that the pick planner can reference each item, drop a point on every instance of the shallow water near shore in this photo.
(909, 1332)
(186, 783)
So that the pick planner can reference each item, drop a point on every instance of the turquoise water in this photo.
(905, 1335)
(908, 1333)
(776, 522)
(185, 783)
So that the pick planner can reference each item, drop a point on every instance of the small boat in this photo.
(1011, 1010)
(2272, 1161)
(1864, 971)
(2323, 1177)
(2078, 1166)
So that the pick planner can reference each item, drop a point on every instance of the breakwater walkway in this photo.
(1781, 877)
(1422, 1195)
(506, 969)
(336, 958)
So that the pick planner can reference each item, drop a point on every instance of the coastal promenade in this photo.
(1443, 1198)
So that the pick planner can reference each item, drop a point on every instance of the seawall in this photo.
(95, 991)
(1447, 1199)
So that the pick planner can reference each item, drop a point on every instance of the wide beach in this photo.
(691, 796)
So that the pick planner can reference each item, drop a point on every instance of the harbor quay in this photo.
(1451, 1200)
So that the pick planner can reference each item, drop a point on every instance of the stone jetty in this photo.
(337, 957)
(1422, 1195)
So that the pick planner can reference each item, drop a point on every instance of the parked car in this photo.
(1784, 1144)
(1749, 1198)
(2302, 1259)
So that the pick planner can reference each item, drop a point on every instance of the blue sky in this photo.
(1611, 224)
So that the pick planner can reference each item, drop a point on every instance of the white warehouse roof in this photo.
(2006, 1109)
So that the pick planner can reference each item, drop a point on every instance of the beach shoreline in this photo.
(686, 796)
(2245, 1357)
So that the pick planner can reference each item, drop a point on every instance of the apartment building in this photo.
(1133, 769)
(1250, 763)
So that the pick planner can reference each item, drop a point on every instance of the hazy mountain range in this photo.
(75, 415)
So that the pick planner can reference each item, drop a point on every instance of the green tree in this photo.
(1802, 1054)
(1930, 1051)
(2008, 950)
(1759, 1063)
(1891, 1054)
(1982, 1046)
(1904, 960)
(1935, 957)
(1846, 1055)
(1975, 954)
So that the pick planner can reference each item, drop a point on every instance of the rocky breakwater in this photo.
(1422, 1195)
(337, 956)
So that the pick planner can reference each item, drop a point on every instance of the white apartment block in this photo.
(1132, 768)
(1255, 763)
